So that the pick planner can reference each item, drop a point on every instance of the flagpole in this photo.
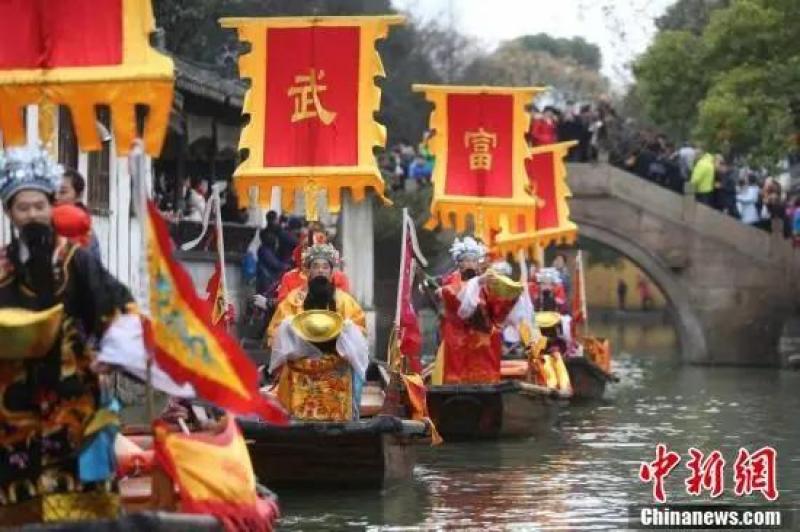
(581, 293)
(136, 167)
(399, 287)
(220, 249)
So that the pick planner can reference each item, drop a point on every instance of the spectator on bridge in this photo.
(795, 218)
(687, 155)
(543, 128)
(420, 171)
(747, 200)
(571, 128)
(703, 178)
(774, 208)
(725, 187)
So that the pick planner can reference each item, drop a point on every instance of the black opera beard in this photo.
(40, 240)
(320, 295)
(468, 274)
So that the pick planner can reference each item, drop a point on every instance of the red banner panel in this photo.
(542, 175)
(480, 145)
(311, 115)
(60, 33)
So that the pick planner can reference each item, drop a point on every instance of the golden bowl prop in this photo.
(545, 319)
(317, 326)
(502, 286)
(27, 333)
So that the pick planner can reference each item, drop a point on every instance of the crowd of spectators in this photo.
(587, 125)
(741, 191)
(403, 163)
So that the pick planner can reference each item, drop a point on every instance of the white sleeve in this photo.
(352, 345)
(470, 297)
(122, 345)
(286, 345)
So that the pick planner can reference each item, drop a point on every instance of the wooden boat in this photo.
(154, 521)
(590, 373)
(511, 408)
(149, 498)
(358, 454)
(587, 378)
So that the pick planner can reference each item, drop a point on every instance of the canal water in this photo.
(584, 475)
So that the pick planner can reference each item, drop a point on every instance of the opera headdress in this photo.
(28, 168)
(321, 251)
(548, 276)
(467, 248)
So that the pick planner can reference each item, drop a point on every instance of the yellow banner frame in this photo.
(567, 231)
(145, 77)
(487, 213)
(359, 178)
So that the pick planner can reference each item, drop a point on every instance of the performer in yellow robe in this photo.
(319, 381)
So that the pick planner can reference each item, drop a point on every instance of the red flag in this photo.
(185, 342)
(410, 335)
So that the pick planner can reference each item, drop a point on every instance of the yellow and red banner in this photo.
(547, 176)
(214, 475)
(84, 53)
(187, 345)
(480, 150)
(311, 106)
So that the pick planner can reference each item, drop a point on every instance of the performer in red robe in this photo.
(474, 312)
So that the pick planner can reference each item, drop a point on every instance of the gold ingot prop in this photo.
(546, 320)
(502, 286)
(28, 334)
(318, 326)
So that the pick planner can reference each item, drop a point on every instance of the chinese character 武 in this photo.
(307, 103)
(657, 470)
(480, 142)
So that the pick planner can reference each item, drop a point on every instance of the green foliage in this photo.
(732, 114)
(576, 48)
(672, 80)
(733, 83)
(689, 15)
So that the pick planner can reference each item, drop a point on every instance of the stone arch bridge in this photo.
(730, 286)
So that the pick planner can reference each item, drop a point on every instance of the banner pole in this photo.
(582, 280)
(136, 167)
(221, 250)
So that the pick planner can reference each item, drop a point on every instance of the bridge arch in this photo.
(690, 334)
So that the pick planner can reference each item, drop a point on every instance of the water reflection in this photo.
(584, 474)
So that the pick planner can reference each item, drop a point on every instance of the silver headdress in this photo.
(321, 251)
(467, 247)
(549, 276)
(28, 168)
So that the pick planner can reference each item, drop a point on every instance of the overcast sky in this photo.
(622, 28)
